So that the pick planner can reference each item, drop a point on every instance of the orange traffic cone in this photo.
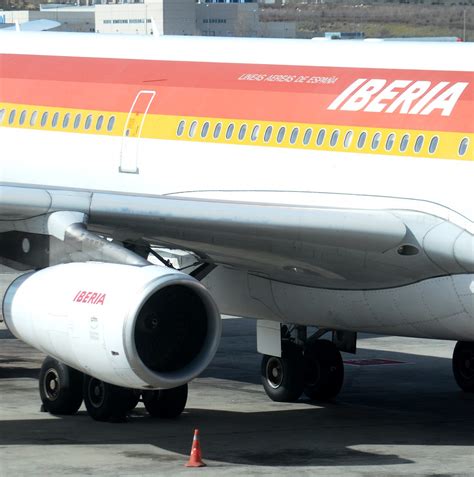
(195, 459)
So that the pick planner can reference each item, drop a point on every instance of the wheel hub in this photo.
(274, 372)
(51, 384)
(96, 392)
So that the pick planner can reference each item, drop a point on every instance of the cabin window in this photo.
(294, 135)
(44, 119)
(376, 141)
(419, 143)
(99, 123)
(404, 142)
(362, 139)
(192, 129)
(11, 118)
(255, 133)
(55, 120)
(390, 142)
(268, 133)
(181, 126)
(281, 134)
(66, 119)
(230, 131)
(111, 123)
(217, 130)
(205, 129)
(22, 117)
(307, 136)
(2, 115)
(348, 138)
(242, 132)
(334, 138)
(320, 138)
(463, 146)
(433, 144)
(34, 116)
(88, 122)
(77, 121)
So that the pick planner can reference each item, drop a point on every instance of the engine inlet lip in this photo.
(7, 302)
(211, 342)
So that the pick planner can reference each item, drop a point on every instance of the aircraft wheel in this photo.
(282, 378)
(60, 387)
(166, 403)
(106, 401)
(324, 370)
(463, 365)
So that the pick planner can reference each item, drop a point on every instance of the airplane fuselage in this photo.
(297, 124)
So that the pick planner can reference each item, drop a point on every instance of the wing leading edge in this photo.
(320, 247)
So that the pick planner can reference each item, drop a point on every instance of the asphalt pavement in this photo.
(399, 413)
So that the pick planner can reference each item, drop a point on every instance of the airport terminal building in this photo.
(167, 17)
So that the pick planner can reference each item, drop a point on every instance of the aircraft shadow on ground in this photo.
(412, 403)
(426, 409)
(13, 372)
(297, 436)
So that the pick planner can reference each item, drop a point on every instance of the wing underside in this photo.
(321, 247)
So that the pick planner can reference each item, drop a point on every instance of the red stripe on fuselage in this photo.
(218, 90)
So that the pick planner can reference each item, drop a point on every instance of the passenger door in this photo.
(132, 132)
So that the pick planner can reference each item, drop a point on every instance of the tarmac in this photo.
(400, 413)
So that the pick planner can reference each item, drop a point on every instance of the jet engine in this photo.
(139, 327)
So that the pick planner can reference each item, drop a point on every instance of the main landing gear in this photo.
(63, 389)
(316, 370)
(313, 366)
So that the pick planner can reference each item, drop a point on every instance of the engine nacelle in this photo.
(138, 327)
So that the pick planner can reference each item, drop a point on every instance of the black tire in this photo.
(166, 403)
(282, 378)
(463, 365)
(60, 387)
(106, 401)
(323, 370)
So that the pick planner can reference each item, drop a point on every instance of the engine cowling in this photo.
(138, 327)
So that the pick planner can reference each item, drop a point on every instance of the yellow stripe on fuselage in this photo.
(165, 127)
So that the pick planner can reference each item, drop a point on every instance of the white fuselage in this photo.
(156, 163)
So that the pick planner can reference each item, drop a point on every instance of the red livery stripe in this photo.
(238, 91)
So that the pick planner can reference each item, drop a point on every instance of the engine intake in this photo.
(139, 327)
(188, 327)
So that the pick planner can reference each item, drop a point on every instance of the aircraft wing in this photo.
(209, 220)
(176, 218)
(314, 246)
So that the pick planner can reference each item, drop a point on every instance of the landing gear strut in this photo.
(463, 365)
